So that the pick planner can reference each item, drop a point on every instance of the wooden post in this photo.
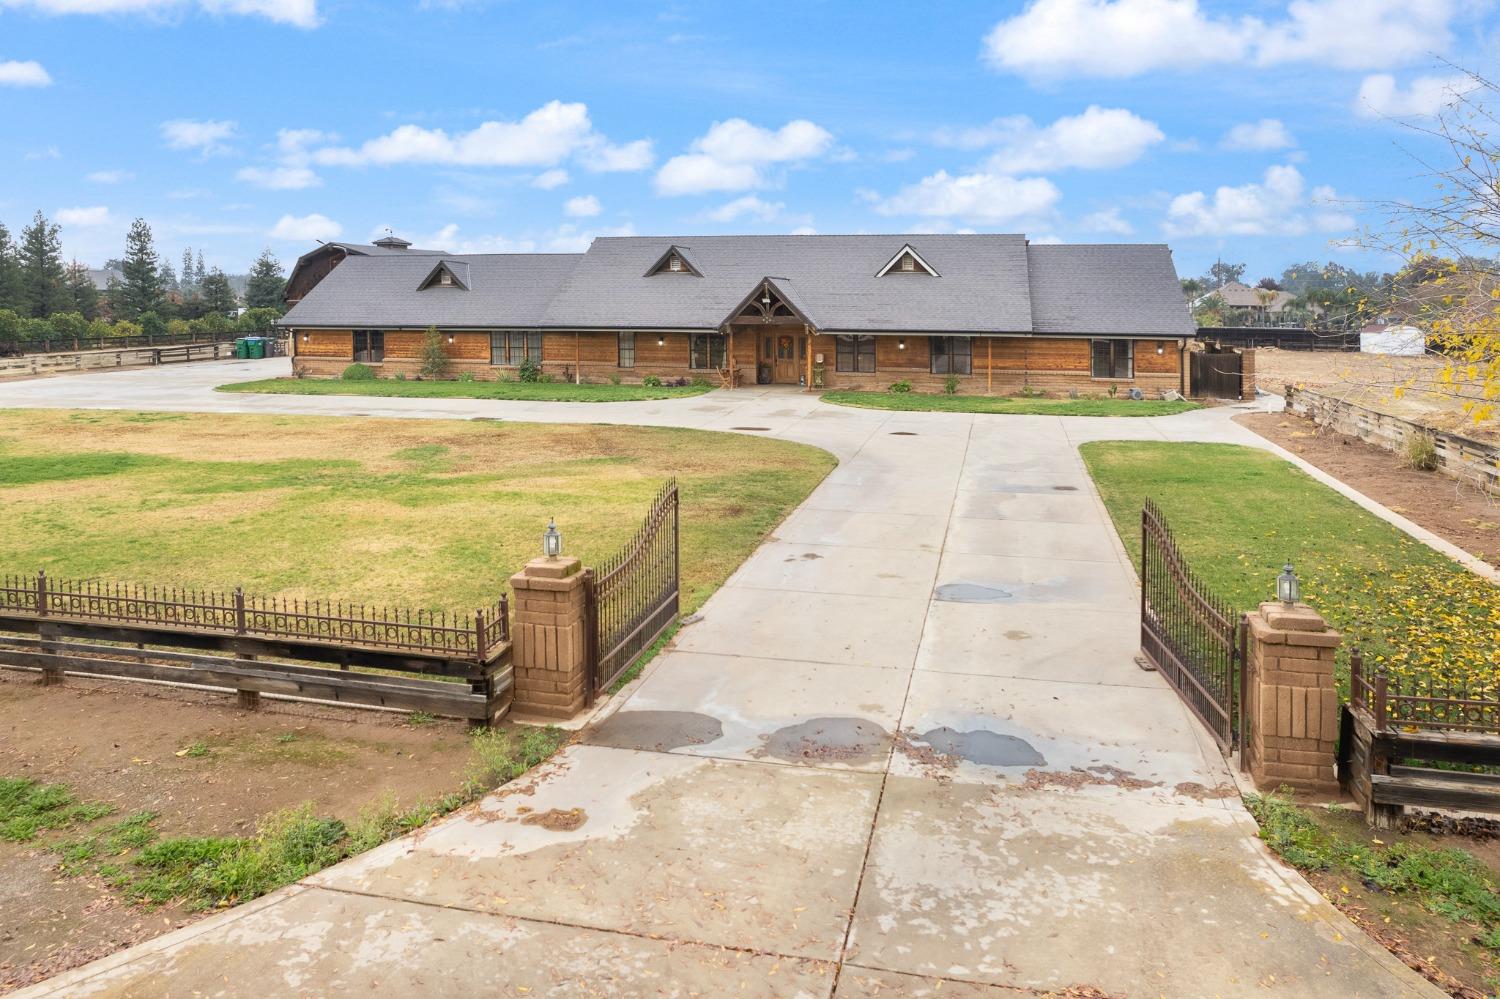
(577, 360)
(41, 592)
(239, 611)
(729, 351)
(808, 330)
(989, 365)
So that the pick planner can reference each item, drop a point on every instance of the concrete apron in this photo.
(906, 742)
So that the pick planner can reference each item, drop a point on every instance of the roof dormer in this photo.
(674, 261)
(907, 261)
(447, 274)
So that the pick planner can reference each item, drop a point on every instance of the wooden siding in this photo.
(325, 343)
(407, 345)
(1148, 361)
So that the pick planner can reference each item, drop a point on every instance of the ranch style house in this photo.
(996, 312)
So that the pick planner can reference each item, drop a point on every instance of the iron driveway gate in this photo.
(1191, 636)
(633, 597)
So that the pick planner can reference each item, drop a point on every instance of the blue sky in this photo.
(1256, 131)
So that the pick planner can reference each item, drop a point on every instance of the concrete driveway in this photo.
(905, 749)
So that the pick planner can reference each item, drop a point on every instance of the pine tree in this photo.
(43, 290)
(189, 285)
(168, 277)
(267, 284)
(10, 273)
(141, 290)
(218, 296)
(198, 272)
(82, 291)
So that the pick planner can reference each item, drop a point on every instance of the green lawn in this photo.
(415, 513)
(525, 391)
(923, 402)
(1239, 513)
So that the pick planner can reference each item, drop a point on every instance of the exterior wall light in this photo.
(552, 540)
(304, 338)
(450, 337)
(1288, 588)
(1161, 348)
(661, 340)
(901, 343)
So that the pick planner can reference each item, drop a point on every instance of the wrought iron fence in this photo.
(1195, 638)
(634, 596)
(1423, 703)
(441, 633)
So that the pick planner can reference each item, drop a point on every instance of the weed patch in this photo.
(28, 808)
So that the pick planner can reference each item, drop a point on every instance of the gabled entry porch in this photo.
(779, 333)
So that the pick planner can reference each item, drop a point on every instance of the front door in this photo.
(781, 351)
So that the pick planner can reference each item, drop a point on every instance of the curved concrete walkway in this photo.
(907, 741)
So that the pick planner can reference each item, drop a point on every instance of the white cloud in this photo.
(749, 206)
(299, 13)
(14, 73)
(582, 207)
(95, 216)
(548, 179)
(545, 137)
(1120, 38)
(280, 178)
(1258, 136)
(602, 157)
(980, 197)
(208, 137)
(733, 155)
(1097, 139)
(309, 227)
(1108, 220)
(109, 177)
(570, 239)
(1380, 96)
(1279, 204)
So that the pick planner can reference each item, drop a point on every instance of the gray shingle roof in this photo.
(1119, 288)
(983, 286)
(988, 284)
(504, 289)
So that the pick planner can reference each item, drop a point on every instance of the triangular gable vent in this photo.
(446, 275)
(907, 261)
(674, 261)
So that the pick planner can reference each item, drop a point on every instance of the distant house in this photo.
(994, 312)
(1242, 305)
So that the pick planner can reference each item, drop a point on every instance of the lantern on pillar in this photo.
(1288, 588)
(552, 540)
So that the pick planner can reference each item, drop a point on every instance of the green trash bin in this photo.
(241, 348)
(257, 347)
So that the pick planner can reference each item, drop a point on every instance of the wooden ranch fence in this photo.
(1391, 727)
(1194, 638)
(634, 596)
(139, 632)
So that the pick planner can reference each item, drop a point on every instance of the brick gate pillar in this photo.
(1292, 707)
(1247, 374)
(549, 649)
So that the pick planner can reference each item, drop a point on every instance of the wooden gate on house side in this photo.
(1194, 638)
(1217, 375)
(634, 596)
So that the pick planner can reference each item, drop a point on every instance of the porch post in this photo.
(807, 328)
(989, 365)
(729, 351)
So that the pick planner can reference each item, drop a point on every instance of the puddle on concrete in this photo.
(843, 740)
(804, 557)
(982, 746)
(971, 593)
(1066, 489)
(659, 730)
(903, 433)
(1011, 487)
(1016, 635)
(749, 428)
(555, 819)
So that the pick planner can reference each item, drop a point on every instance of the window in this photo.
(510, 349)
(1113, 359)
(951, 355)
(855, 353)
(707, 351)
(369, 346)
(627, 350)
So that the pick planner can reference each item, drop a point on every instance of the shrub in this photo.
(152, 324)
(435, 361)
(900, 388)
(69, 325)
(544, 378)
(651, 381)
(400, 376)
(700, 382)
(950, 385)
(10, 325)
(357, 372)
(1114, 390)
(1421, 452)
(466, 376)
(614, 379)
(36, 329)
(529, 370)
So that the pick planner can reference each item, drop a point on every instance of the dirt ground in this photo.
(1455, 512)
(120, 743)
(1371, 380)
(1428, 943)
